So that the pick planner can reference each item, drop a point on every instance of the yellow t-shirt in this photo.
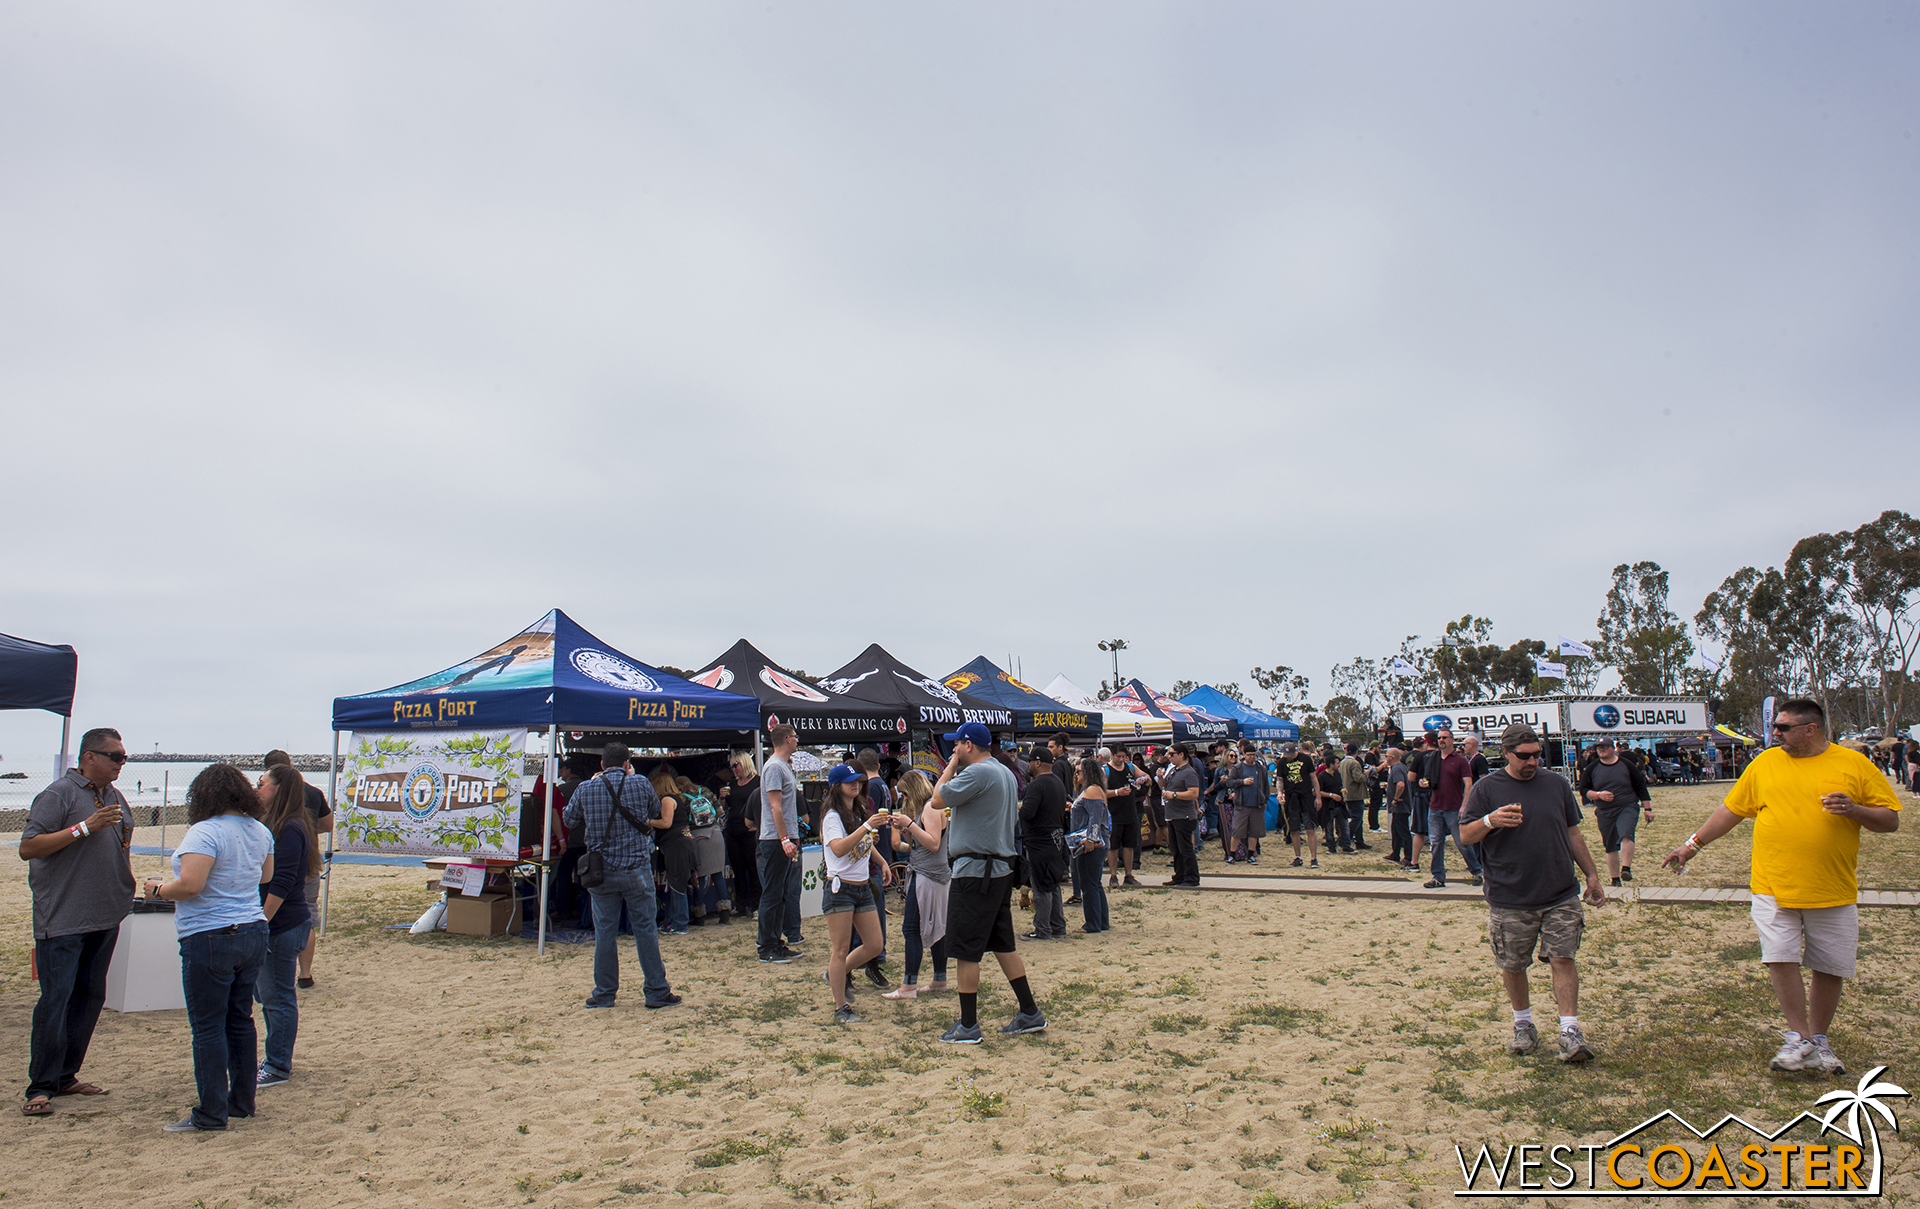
(1803, 856)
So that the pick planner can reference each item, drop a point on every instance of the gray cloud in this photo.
(337, 343)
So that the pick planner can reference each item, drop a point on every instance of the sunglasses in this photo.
(1781, 728)
(118, 757)
(1527, 755)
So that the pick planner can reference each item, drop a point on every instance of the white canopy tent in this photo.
(1117, 726)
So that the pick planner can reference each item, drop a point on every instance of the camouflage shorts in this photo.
(1514, 934)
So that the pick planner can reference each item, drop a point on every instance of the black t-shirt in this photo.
(1043, 807)
(1479, 767)
(1330, 783)
(1120, 776)
(1529, 867)
(1296, 777)
(743, 808)
(317, 803)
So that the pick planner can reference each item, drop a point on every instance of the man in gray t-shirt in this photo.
(1181, 793)
(779, 855)
(76, 842)
(981, 793)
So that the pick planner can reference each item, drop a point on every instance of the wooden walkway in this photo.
(1410, 887)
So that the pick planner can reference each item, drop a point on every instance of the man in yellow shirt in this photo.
(1808, 800)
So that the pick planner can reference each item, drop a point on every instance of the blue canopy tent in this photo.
(552, 676)
(1261, 728)
(34, 675)
(1034, 712)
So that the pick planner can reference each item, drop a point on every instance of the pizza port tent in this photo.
(36, 675)
(1261, 728)
(1117, 725)
(816, 715)
(551, 677)
(1034, 713)
(1190, 725)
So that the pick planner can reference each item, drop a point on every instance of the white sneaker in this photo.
(1823, 1059)
(1795, 1053)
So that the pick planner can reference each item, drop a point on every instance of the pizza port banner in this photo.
(438, 793)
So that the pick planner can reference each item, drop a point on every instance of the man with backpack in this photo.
(613, 812)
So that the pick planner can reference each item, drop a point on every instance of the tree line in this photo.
(1838, 620)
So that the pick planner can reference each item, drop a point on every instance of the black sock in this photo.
(969, 1009)
(1024, 994)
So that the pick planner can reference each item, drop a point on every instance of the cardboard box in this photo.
(490, 914)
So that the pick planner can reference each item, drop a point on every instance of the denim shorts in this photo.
(851, 896)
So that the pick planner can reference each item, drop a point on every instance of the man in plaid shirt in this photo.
(627, 854)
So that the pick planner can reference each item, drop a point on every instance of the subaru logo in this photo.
(1606, 717)
(1437, 722)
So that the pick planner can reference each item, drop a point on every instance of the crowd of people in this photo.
(655, 853)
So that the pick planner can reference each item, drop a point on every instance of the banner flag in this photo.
(1401, 668)
(1569, 647)
(433, 793)
(1709, 662)
(1766, 722)
(1550, 671)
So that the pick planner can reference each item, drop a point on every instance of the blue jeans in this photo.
(1092, 866)
(910, 932)
(218, 971)
(1440, 825)
(632, 889)
(279, 1003)
(776, 872)
(73, 989)
(676, 912)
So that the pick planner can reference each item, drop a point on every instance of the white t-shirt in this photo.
(853, 866)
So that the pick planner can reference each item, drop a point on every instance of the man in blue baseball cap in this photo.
(982, 795)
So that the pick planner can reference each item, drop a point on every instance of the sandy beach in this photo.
(1215, 1049)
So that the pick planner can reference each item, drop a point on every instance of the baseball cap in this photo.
(1520, 733)
(840, 774)
(974, 733)
(1040, 755)
(1604, 741)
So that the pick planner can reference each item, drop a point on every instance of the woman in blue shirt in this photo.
(218, 870)
(283, 900)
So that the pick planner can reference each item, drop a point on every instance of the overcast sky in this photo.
(338, 342)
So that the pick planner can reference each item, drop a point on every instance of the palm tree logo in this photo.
(1867, 1095)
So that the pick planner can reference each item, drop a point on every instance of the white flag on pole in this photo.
(1401, 668)
(1709, 662)
(1550, 671)
(1569, 647)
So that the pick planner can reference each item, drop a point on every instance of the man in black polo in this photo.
(1181, 793)
(980, 791)
(1043, 821)
(76, 843)
(1617, 791)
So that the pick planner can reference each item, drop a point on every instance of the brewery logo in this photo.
(612, 671)
(845, 683)
(960, 682)
(773, 720)
(780, 682)
(1606, 717)
(422, 791)
(717, 677)
(900, 724)
(1731, 1158)
(933, 687)
(1139, 729)
(1025, 688)
(1436, 722)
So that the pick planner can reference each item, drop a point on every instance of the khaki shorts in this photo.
(1826, 939)
(1513, 934)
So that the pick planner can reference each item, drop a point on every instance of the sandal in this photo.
(39, 1106)
(81, 1089)
(305, 984)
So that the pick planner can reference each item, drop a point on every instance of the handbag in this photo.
(591, 872)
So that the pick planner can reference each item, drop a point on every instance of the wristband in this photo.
(84, 829)
(74, 831)
(1694, 839)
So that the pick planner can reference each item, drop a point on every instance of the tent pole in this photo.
(66, 730)
(546, 833)
(333, 786)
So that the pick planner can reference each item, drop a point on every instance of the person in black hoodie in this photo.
(283, 900)
(1043, 820)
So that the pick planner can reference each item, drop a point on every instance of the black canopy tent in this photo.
(875, 675)
(36, 675)
(1034, 713)
(816, 714)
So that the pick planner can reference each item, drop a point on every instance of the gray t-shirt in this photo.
(1529, 867)
(1178, 780)
(931, 863)
(984, 800)
(86, 886)
(1613, 777)
(777, 777)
